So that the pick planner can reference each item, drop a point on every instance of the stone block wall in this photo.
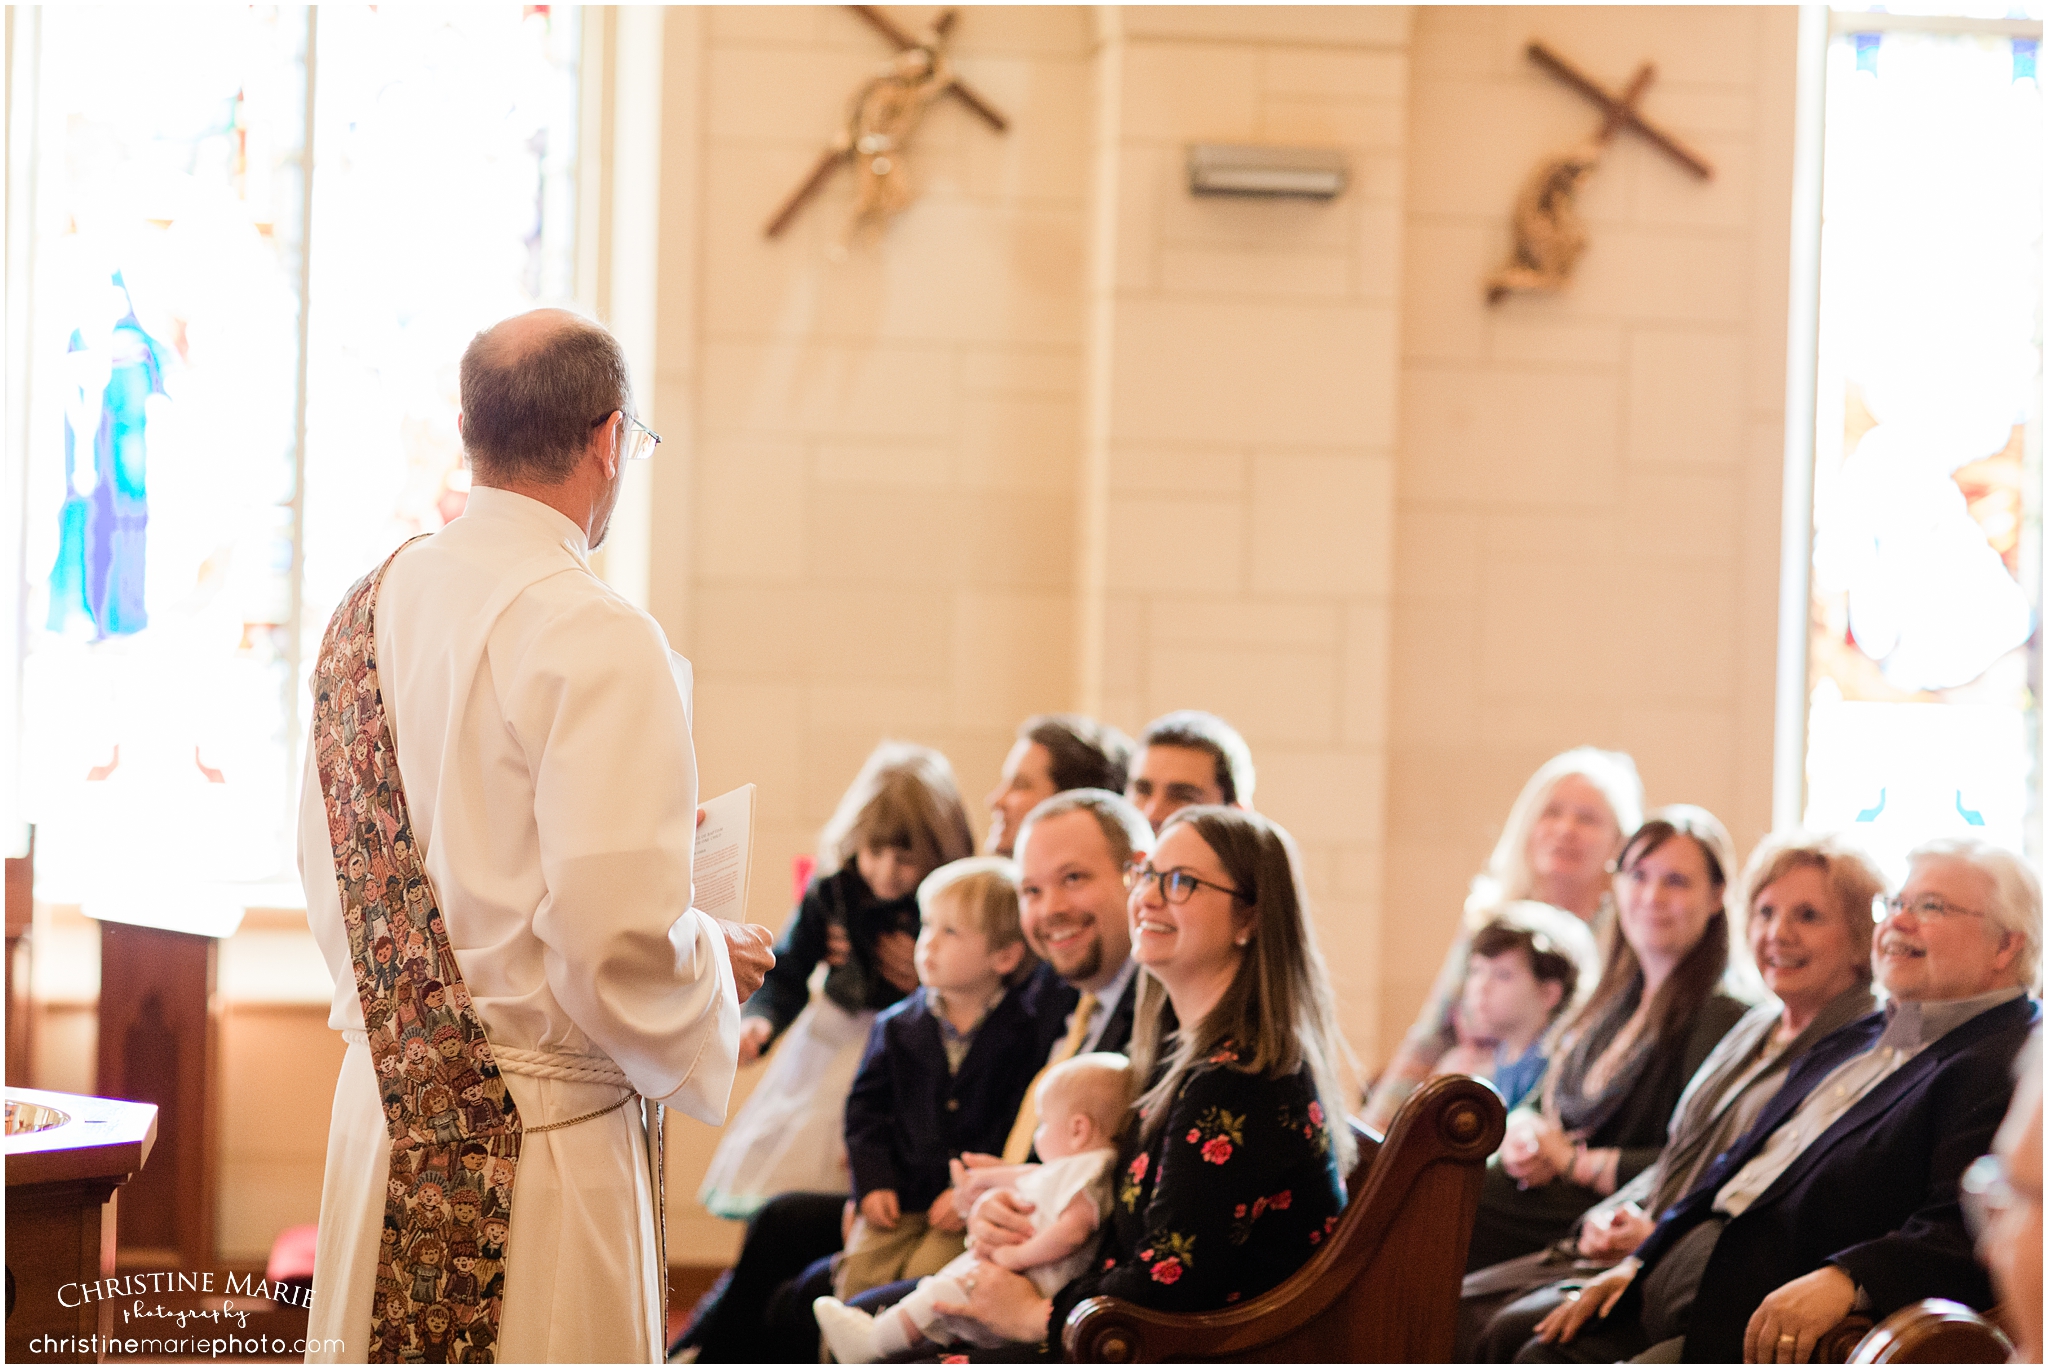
(1587, 534)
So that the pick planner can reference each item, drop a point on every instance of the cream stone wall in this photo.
(880, 527)
(1242, 369)
(1067, 436)
(1587, 533)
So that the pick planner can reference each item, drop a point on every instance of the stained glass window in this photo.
(1924, 667)
(208, 244)
(162, 456)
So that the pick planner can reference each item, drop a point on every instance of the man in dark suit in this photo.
(1843, 1194)
(1072, 850)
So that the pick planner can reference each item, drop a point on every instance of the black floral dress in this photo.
(1235, 1192)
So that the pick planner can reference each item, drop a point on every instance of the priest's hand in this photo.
(1794, 1316)
(754, 1034)
(1581, 1305)
(747, 946)
(896, 957)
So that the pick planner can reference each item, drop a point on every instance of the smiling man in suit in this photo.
(1843, 1195)
(1072, 849)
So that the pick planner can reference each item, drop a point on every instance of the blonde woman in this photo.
(899, 820)
(1565, 828)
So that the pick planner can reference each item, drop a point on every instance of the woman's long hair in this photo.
(1680, 997)
(903, 796)
(1507, 877)
(1278, 1012)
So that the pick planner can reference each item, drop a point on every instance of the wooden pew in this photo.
(1383, 1288)
(1933, 1331)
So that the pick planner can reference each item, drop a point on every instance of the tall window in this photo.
(262, 236)
(1924, 650)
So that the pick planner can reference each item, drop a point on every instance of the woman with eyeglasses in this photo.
(1809, 935)
(1624, 1058)
(1231, 1165)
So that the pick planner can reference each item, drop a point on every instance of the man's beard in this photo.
(1088, 966)
(602, 525)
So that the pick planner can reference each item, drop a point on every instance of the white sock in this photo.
(890, 1337)
(851, 1333)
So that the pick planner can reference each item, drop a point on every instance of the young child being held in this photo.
(944, 1072)
(1518, 979)
(1081, 1107)
(899, 820)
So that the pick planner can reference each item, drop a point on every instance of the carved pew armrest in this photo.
(1931, 1331)
(1384, 1286)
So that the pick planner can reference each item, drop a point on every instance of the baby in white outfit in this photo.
(1081, 1107)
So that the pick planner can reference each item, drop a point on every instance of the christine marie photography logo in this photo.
(131, 1296)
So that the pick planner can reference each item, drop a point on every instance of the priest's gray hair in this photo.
(2015, 895)
(530, 402)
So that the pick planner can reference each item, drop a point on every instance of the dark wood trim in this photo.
(159, 1042)
(20, 1026)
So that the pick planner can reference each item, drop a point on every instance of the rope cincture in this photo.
(624, 1099)
(590, 1069)
(584, 1069)
(548, 1065)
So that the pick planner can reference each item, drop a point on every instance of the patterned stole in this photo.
(455, 1133)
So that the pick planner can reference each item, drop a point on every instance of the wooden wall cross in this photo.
(880, 120)
(1549, 234)
(1621, 110)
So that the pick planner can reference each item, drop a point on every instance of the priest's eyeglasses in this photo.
(1176, 886)
(1929, 907)
(639, 440)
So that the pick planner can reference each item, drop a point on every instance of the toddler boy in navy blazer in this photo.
(944, 1072)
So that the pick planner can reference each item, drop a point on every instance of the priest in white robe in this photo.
(542, 732)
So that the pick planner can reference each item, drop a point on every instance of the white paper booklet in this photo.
(725, 845)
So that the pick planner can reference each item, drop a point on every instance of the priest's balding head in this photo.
(547, 412)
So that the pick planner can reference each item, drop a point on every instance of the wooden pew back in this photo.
(1383, 1288)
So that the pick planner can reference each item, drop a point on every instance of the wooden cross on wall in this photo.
(1621, 109)
(1549, 235)
(906, 91)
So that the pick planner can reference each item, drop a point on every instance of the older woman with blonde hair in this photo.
(1563, 830)
(1809, 935)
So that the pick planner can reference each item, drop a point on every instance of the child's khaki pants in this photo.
(910, 1251)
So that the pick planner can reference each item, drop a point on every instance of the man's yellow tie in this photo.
(1018, 1147)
